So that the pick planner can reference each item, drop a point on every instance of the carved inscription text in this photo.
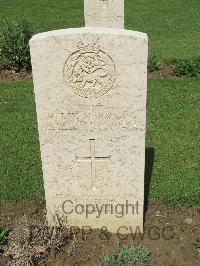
(104, 3)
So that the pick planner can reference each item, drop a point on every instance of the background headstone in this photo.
(104, 13)
(90, 87)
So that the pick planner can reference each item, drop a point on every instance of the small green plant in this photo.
(197, 242)
(189, 68)
(14, 44)
(154, 63)
(3, 236)
(126, 255)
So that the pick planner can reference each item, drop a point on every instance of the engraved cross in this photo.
(93, 159)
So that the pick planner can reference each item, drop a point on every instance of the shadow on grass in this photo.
(149, 160)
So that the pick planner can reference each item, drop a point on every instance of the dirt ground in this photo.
(165, 71)
(14, 76)
(169, 235)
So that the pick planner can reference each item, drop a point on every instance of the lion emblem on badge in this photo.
(89, 71)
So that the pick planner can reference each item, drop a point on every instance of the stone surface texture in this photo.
(90, 87)
(104, 13)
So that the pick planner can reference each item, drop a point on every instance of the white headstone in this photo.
(90, 87)
(104, 13)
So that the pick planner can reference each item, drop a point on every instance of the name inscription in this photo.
(90, 121)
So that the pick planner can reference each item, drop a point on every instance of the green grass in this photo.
(45, 14)
(20, 171)
(172, 131)
(173, 121)
(172, 26)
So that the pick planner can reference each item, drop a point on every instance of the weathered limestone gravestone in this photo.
(90, 88)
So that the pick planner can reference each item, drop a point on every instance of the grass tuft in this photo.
(126, 255)
(197, 242)
(3, 238)
(189, 68)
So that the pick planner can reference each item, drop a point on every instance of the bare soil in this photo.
(165, 71)
(169, 235)
(14, 76)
